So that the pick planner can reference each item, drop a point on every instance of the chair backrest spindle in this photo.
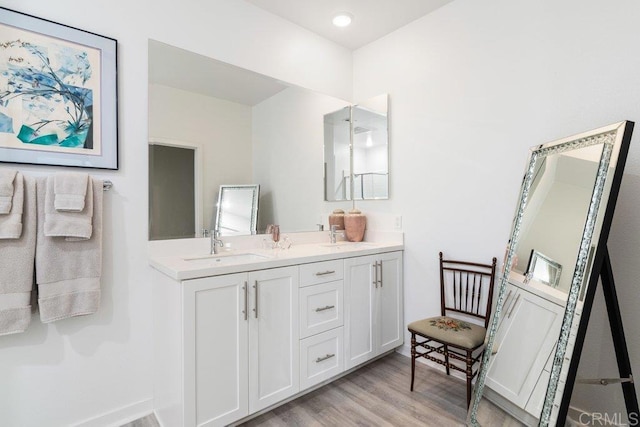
(461, 287)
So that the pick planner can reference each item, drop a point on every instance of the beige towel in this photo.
(16, 268)
(71, 225)
(70, 190)
(7, 177)
(68, 272)
(11, 224)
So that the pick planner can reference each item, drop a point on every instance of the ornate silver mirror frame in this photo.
(615, 144)
(237, 212)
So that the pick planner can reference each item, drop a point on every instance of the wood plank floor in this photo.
(377, 395)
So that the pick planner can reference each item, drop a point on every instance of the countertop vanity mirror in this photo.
(356, 151)
(237, 212)
(555, 256)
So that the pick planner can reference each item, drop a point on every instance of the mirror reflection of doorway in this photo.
(172, 192)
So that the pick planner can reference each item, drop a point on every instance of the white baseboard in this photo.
(120, 416)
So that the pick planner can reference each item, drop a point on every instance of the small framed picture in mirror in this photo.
(543, 269)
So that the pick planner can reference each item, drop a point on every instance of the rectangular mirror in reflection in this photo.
(356, 151)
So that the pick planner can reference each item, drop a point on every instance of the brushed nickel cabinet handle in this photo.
(322, 359)
(375, 274)
(255, 286)
(324, 273)
(380, 265)
(245, 288)
(326, 307)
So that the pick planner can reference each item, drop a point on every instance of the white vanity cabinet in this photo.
(239, 353)
(527, 333)
(231, 341)
(273, 336)
(373, 306)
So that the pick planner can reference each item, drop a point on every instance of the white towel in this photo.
(68, 272)
(71, 225)
(7, 177)
(70, 190)
(11, 224)
(16, 268)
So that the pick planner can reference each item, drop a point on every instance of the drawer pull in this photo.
(326, 307)
(324, 273)
(322, 359)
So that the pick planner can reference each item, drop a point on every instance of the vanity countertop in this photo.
(182, 263)
(553, 295)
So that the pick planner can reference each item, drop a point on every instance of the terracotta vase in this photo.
(355, 223)
(337, 219)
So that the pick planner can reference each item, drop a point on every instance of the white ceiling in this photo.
(372, 18)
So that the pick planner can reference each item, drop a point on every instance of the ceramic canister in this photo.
(337, 219)
(355, 223)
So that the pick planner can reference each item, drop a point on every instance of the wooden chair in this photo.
(466, 289)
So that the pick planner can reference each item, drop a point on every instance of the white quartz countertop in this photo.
(184, 262)
(553, 295)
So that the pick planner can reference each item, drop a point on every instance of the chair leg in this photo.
(413, 358)
(469, 377)
(446, 358)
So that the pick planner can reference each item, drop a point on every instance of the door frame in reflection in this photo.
(197, 179)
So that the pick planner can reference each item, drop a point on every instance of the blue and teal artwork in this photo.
(44, 99)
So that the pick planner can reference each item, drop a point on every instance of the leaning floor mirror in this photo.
(555, 256)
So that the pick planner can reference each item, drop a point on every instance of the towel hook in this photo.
(106, 185)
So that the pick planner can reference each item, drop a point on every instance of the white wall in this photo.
(288, 151)
(472, 87)
(98, 368)
(222, 128)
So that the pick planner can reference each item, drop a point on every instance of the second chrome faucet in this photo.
(334, 232)
(216, 242)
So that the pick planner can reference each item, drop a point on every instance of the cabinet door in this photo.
(359, 303)
(215, 355)
(389, 317)
(527, 334)
(273, 336)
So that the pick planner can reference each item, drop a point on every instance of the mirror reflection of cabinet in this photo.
(527, 333)
(356, 151)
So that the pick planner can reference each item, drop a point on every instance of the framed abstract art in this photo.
(58, 94)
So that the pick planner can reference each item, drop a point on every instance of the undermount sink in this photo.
(226, 258)
(353, 245)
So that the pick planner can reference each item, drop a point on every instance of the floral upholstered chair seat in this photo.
(450, 330)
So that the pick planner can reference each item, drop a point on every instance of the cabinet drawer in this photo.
(321, 272)
(321, 357)
(321, 308)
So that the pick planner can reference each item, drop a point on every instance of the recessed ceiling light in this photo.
(342, 19)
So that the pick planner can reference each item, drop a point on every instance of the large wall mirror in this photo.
(356, 151)
(558, 240)
(249, 129)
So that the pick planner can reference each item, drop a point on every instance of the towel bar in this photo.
(106, 185)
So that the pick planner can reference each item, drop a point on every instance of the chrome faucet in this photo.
(216, 242)
(334, 232)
